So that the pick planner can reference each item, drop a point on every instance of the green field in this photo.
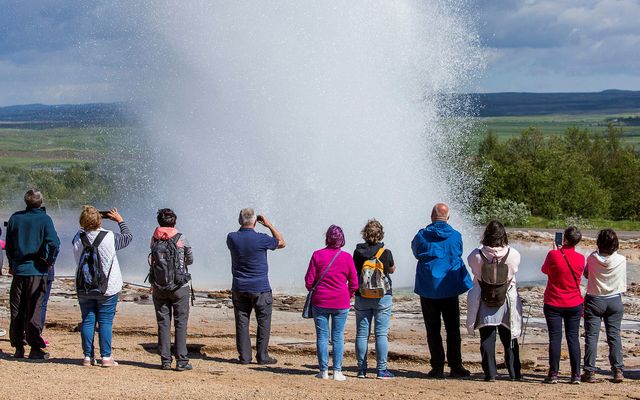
(506, 127)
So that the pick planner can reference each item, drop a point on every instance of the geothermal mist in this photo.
(313, 113)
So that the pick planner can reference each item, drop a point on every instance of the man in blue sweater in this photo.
(441, 277)
(32, 247)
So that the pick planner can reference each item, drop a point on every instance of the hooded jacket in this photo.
(607, 275)
(514, 302)
(365, 251)
(440, 272)
(166, 233)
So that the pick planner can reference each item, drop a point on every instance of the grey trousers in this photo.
(177, 304)
(611, 311)
(243, 304)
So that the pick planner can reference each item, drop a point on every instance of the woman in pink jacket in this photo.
(331, 299)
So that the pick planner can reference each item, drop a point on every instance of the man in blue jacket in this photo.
(32, 247)
(441, 277)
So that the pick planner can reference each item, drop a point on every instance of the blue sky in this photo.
(70, 51)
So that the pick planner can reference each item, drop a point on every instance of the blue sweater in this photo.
(440, 272)
(32, 242)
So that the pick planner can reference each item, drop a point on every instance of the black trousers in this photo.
(25, 298)
(571, 316)
(488, 351)
(449, 309)
(243, 304)
(174, 303)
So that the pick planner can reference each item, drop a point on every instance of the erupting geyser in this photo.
(311, 112)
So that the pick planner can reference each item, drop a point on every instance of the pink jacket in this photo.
(338, 285)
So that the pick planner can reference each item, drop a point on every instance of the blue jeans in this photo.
(380, 311)
(100, 310)
(338, 321)
(45, 303)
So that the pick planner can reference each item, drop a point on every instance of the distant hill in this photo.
(38, 116)
(518, 104)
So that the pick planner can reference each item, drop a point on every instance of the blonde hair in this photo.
(373, 232)
(90, 218)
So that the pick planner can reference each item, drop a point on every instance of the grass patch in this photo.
(595, 223)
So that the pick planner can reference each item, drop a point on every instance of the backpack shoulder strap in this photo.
(84, 239)
(484, 258)
(176, 238)
(98, 239)
(379, 252)
(503, 260)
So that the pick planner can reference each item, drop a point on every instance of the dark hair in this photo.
(33, 198)
(494, 235)
(167, 218)
(334, 238)
(607, 241)
(572, 236)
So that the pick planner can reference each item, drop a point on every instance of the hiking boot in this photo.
(460, 372)
(618, 376)
(488, 378)
(588, 377)
(19, 353)
(552, 378)
(435, 374)
(184, 367)
(575, 379)
(386, 374)
(38, 354)
(166, 366)
(268, 361)
(362, 373)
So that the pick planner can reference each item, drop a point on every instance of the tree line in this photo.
(578, 174)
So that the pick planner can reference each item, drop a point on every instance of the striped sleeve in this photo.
(124, 238)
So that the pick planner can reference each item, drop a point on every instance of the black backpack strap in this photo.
(503, 260)
(176, 238)
(84, 239)
(99, 238)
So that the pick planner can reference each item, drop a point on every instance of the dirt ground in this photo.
(216, 375)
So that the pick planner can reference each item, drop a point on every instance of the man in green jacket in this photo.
(32, 247)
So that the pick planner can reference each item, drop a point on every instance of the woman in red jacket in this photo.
(563, 302)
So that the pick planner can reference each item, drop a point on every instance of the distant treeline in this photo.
(74, 185)
(579, 174)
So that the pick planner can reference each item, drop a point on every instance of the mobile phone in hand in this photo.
(559, 239)
(105, 214)
(260, 219)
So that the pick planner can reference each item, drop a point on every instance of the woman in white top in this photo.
(487, 315)
(606, 272)
(99, 304)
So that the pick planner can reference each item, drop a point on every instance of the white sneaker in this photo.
(323, 375)
(338, 376)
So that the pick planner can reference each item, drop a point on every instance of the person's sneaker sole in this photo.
(181, 368)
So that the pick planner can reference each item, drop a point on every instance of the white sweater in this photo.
(607, 276)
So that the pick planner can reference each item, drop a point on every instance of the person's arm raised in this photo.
(267, 224)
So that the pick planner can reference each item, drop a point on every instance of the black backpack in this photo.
(90, 278)
(165, 270)
(494, 280)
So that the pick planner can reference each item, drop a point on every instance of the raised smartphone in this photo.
(559, 239)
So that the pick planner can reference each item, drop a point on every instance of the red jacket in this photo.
(562, 289)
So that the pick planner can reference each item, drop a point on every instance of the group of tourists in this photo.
(333, 278)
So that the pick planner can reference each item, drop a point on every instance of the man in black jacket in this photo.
(32, 247)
